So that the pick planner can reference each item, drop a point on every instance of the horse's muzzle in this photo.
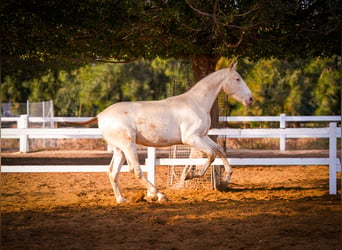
(249, 101)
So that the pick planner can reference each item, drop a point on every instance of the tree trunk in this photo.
(203, 65)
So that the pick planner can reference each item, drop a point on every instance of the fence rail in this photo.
(282, 119)
(23, 133)
(24, 120)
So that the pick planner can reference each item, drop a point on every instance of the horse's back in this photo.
(154, 123)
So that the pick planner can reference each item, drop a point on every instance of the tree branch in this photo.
(236, 44)
(100, 60)
(197, 10)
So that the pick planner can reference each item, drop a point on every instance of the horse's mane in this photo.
(209, 79)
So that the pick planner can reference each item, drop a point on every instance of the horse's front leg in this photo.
(204, 146)
(228, 169)
(210, 148)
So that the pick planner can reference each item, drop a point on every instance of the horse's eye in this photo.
(237, 79)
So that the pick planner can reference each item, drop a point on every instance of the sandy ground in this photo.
(264, 208)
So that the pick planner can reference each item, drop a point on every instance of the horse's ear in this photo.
(232, 66)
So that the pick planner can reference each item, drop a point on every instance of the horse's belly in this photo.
(151, 134)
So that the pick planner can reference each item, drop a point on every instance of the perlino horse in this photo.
(179, 119)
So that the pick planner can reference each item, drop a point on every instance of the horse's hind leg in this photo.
(114, 170)
(132, 159)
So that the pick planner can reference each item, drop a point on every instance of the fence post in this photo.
(332, 158)
(282, 138)
(27, 107)
(151, 164)
(23, 141)
(51, 111)
(43, 114)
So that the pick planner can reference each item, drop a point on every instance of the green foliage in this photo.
(298, 87)
(326, 94)
(41, 38)
(49, 32)
(91, 88)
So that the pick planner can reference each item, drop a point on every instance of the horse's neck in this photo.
(204, 93)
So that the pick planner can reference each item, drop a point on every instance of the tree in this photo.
(327, 91)
(93, 30)
(89, 89)
(296, 87)
(198, 31)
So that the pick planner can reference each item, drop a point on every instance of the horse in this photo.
(182, 119)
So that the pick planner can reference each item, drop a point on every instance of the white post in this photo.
(27, 107)
(23, 141)
(332, 158)
(282, 138)
(151, 164)
(50, 115)
(43, 113)
(52, 124)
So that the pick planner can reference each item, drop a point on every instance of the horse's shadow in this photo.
(281, 188)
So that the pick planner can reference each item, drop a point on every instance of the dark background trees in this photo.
(123, 30)
(47, 36)
(299, 87)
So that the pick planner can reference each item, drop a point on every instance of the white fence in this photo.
(332, 133)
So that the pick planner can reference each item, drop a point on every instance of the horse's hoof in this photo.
(224, 182)
(121, 200)
(178, 185)
(162, 198)
(227, 177)
(190, 175)
(150, 195)
(223, 187)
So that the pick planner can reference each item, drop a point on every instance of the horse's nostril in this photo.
(251, 99)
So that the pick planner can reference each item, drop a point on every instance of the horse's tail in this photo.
(91, 121)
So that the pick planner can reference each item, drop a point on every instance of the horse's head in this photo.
(236, 87)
